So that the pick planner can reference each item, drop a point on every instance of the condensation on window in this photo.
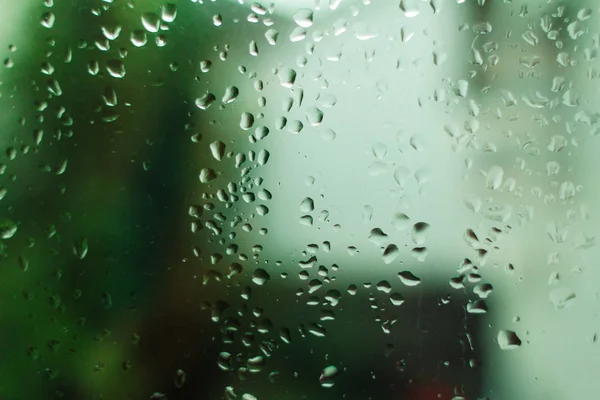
(299, 199)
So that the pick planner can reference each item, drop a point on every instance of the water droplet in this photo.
(419, 232)
(253, 48)
(260, 276)
(111, 32)
(576, 29)
(246, 121)
(80, 249)
(151, 22)
(477, 307)
(327, 378)
(298, 34)
(205, 101)
(552, 168)
(409, 8)
(584, 13)
(482, 28)
(462, 88)
(317, 330)
(328, 134)
(494, 177)
(396, 299)
(304, 17)
(231, 94)
(138, 38)
(408, 278)
(48, 20)
(557, 143)
(378, 237)
(217, 148)
(390, 253)
(508, 340)
(307, 205)
(168, 12)
(287, 77)
(8, 229)
(401, 221)
(562, 297)
(205, 65)
(109, 96)
(207, 175)
(115, 68)
(314, 116)
(263, 157)
(483, 290)
(93, 68)
(180, 377)
(271, 35)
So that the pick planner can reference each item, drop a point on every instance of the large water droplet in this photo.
(408, 278)
(8, 229)
(47, 20)
(304, 17)
(207, 175)
(231, 94)
(260, 276)
(246, 121)
(151, 22)
(217, 148)
(410, 8)
(115, 68)
(508, 340)
(168, 12)
(205, 101)
(390, 253)
(138, 38)
(328, 375)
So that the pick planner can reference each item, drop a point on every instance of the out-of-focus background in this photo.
(299, 199)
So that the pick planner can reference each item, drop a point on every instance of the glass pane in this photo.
(299, 199)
